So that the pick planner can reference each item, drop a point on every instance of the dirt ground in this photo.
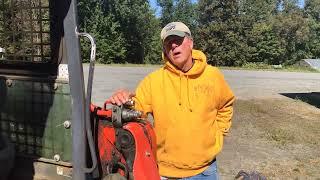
(276, 124)
(279, 138)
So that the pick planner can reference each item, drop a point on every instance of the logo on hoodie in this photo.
(203, 90)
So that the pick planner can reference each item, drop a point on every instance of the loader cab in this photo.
(42, 101)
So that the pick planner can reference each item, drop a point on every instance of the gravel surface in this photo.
(271, 133)
(245, 84)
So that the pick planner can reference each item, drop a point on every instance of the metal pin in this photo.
(56, 157)
(67, 124)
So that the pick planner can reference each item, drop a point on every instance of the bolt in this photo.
(148, 154)
(67, 124)
(9, 82)
(56, 157)
(55, 86)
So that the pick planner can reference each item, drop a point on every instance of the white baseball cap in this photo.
(175, 28)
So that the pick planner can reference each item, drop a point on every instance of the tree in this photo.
(312, 9)
(266, 47)
(185, 11)
(167, 11)
(125, 30)
(24, 33)
(220, 33)
(314, 39)
(106, 30)
(256, 11)
(292, 30)
(139, 25)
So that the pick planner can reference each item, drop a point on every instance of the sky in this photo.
(301, 3)
(153, 4)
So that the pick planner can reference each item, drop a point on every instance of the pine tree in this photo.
(220, 33)
(107, 32)
(167, 11)
(125, 30)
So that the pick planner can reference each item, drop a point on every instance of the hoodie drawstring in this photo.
(189, 104)
(180, 90)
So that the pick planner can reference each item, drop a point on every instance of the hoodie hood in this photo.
(200, 62)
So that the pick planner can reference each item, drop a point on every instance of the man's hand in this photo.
(121, 96)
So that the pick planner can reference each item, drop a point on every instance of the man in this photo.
(192, 107)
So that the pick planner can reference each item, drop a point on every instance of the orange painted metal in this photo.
(145, 163)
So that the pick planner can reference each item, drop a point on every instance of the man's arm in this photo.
(225, 107)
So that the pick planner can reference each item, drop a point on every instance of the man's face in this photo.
(178, 50)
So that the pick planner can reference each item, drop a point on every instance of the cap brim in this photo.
(174, 33)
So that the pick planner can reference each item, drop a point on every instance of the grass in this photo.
(128, 65)
(265, 67)
(280, 136)
(277, 137)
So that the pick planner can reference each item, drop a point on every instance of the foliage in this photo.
(167, 10)
(220, 33)
(312, 9)
(110, 40)
(266, 47)
(185, 11)
(230, 32)
(268, 31)
(124, 30)
(292, 31)
(314, 39)
(19, 41)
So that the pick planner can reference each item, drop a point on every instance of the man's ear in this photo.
(164, 51)
(191, 43)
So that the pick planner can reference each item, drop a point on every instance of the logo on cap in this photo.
(170, 27)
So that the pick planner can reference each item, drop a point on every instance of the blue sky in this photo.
(301, 3)
(153, 4)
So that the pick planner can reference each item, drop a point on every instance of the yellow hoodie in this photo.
(192, 111)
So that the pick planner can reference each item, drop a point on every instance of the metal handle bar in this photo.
(88, 102)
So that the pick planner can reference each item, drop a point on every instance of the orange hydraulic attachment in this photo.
(126, 143)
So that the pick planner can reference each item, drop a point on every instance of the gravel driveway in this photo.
(271, 133)
(245, 84)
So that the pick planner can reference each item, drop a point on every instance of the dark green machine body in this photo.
(33, 115)
(36, 118)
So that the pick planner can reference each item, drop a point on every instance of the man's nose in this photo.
(174, 45)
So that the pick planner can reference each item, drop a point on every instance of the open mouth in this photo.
(176, 54)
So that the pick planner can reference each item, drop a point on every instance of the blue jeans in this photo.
(211, 173)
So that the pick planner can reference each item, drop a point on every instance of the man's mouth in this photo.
(176, 54)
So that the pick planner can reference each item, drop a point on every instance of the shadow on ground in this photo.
(312, 98)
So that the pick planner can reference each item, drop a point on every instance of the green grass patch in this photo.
(280, 136)
(266, 67)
